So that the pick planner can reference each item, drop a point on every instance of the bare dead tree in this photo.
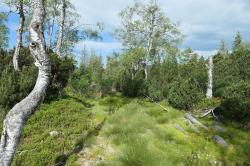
(19, 35)
(209, 93)
(19, 114)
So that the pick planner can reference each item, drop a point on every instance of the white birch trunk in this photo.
(18, 115)
(146, 72)
(19, 36)
(150, 43)
(50, 32)
(209, 94)
(61, 29)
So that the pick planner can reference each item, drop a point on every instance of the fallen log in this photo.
(156, 103)
(207, 112)
(193, 120)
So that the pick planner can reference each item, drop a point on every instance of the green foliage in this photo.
(237, 45)
(61, 70)
(69, 117)
(133, 88)
(184, 94)
(14, 86)
(236, 102)
(208, 103)
(145, 25)
(8, 88)
(87, 80)
(230, 70)
(3, 31)
(141, 133)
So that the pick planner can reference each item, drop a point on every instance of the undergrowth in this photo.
(144, 134)
(137, 131)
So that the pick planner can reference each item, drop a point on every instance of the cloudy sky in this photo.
(204, 23)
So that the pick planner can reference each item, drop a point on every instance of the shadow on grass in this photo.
(81, 143)
(86, 104)
(66, 96)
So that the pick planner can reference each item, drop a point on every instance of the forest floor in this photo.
(119, 131)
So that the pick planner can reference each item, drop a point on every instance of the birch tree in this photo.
(15, 119)
(50, 20)
(61, 28)
(146, 26)
(19, 35)
(18, 5)
(209, 93)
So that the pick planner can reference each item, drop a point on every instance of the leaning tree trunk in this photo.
(19, 36)
(18, 115)
(61, 29)
(210, 78)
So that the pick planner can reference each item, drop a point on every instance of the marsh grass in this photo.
(144, 134)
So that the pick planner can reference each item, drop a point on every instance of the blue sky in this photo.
(204, 23)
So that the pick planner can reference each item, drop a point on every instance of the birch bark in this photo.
(19, 36)
(18, 115)
(209, 94)
(61, 29)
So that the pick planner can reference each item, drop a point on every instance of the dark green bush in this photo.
(134, 88)
(236, 103)
(184, 94)
(61, 70)
(207, 103)
(155, 93)
(8, 88)
(14, 86)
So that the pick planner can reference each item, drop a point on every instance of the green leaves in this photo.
(184, 94)
(3, 31)
(146, 26)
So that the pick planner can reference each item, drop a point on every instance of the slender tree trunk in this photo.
(18, 115)
(132, 74)
(146, 72)
(150, 43)
(19, 36)
(133, 70)
(61, 29)
(49, 37)
(210, 78)
(50, 33)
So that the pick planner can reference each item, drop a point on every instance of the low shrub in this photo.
(236, 103)
(134, 88)
(184, 94)
(208, 103)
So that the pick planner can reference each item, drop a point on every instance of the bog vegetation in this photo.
(107, 112)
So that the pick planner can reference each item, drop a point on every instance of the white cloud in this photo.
(206, 53)
(204, 22)
(95, 45)
(101, 48)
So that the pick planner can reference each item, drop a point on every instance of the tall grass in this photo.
(144, 134)
(138, 132)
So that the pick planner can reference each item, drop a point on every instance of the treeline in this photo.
(179, 80)
(151, 65)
